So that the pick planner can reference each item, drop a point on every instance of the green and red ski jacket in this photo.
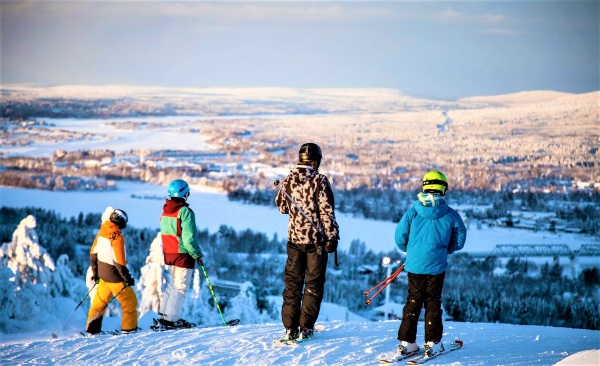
(179, 234)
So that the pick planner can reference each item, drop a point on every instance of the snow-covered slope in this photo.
(342, 343)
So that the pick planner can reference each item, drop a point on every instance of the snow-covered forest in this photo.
(250, 264)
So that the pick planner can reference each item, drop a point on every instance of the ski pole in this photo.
(386, 279)
(383, 284)
(212, 292)
(105, 306)
(78, 305)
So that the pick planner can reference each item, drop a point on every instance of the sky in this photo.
(433, 49)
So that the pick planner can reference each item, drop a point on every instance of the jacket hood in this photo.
(108, 229)
(172, 206)
(428, 211)
(303, 173)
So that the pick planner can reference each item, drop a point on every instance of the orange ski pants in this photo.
(126, 298)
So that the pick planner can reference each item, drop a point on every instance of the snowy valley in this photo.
(524, 169)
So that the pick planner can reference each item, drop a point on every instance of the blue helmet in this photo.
(178, 189)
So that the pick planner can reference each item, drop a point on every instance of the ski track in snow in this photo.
(341, 343)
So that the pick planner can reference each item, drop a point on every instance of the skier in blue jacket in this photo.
(428, 232)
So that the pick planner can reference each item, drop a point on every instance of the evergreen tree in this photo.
(153, 279)
(25, 257)
(25, 277)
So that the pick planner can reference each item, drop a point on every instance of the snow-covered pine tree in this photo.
(65, 284)
(199, 306)
(25, 257)
(243, 306)
(25, 277)
(153, 278)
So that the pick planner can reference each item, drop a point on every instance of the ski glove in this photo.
(199, 260)
(130, 282)
(331, 245)
(95, 279)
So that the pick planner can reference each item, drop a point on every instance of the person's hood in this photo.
(106, 214)
(430, 205)
(172, 206)
(303, 173)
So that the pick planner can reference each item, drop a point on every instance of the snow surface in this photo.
(341, 343)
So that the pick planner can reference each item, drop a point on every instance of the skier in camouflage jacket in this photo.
(306, 264)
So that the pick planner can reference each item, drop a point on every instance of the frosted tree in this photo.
(25, 257)
(64, 283)
(25, 274)
(153, 278)
(243, 306)
(8, 299)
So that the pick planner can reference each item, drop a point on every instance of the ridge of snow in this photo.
(341, 343)
(524, 97)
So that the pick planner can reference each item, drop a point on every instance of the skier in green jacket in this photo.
(181, 251)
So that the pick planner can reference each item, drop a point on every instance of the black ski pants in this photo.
(304, 279)
(423, 290)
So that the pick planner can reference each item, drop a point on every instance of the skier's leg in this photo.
(128, 302)
(295, 268)
(172, 305)
(98, 307)
(412, 309)
(433, 308)
(313, 289)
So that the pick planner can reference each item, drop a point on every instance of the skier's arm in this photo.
(459, 235)
(403, 230)
(118, 244)
(189, 233)
(94, 261)
(281, 200)
(326, 204)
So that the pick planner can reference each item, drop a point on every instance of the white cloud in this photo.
(500, 31)
(453, 16)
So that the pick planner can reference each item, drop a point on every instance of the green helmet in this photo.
(435, 182)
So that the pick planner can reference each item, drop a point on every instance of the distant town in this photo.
(540, 149)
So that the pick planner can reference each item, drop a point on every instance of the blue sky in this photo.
(442, 49)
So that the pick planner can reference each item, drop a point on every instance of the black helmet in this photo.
(310, 152)
(119, 218)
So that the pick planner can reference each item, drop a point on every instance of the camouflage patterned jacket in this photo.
(312, 192)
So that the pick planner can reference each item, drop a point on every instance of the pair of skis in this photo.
(419, 358)
(158, 327)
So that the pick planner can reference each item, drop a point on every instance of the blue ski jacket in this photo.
(428, 232)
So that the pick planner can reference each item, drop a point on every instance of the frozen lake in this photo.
(214, 209)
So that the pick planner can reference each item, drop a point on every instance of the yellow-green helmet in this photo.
(435, 182)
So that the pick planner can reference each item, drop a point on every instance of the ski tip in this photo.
(283, 342)
(457, 343)
(233, 322)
